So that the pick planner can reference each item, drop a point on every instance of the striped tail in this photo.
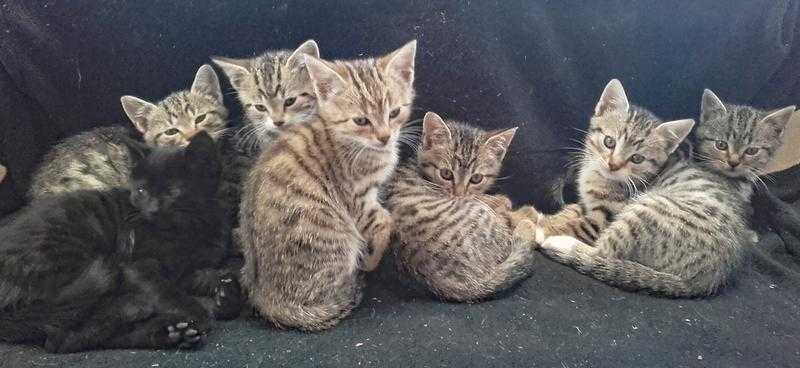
(621, 273)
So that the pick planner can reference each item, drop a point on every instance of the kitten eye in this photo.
(446, 174)
(289, 101)
(476, 178)
(141, 190)
(720, 145)
(361, 121)
(261, 108)
(394, 113)
(171, 131)
(304, 94)
(609, 142)
(751, 151)
(637, 158)
(199, 119)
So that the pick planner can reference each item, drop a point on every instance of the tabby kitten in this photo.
(274, 89)
(99, 159)
(610, 173)
(311, 221)
(682, 235)
(109, 269)
(462, 243)
(276, 93)
(738, 141)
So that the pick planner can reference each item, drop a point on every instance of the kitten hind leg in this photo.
(218, 291)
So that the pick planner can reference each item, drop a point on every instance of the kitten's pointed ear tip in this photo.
(310, 44)
(206, 68)
(131, 102)
(430, 115)
(614, 84)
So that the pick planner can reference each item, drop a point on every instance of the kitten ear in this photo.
(497, 144)
(434, 131)
(674, 132)
(137, 111)
(137, 149)
(777, 120)
(309, 48)
(710, 105)
(237, 70)
(327, 82)
(400, 63)
(206, 83)
(202, 154)
(613, 99)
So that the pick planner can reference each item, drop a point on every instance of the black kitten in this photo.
(121, 269)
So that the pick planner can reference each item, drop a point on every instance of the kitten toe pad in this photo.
(561, 244)
(184, 335)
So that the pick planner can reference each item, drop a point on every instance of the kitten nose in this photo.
(383, 139)
(613, 166)
(734, 163)
(278, 123)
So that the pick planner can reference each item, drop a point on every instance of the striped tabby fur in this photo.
(99, 159)
(606, 179)
(738, 141)
(275, 93)
(463, 244)
(681, 234)
(310, 219)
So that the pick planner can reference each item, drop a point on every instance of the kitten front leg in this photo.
(378, 233)
(572, 221)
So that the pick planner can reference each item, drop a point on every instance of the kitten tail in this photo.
(625, 274)
(310, 318)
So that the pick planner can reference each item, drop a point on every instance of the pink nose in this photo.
(613, 166)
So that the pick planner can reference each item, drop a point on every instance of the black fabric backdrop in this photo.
(538, 65)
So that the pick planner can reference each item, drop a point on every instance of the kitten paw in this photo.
(526, 232)
(561, 244)
(227, 298)
(540, 236)
(185, 335)
(527, 212)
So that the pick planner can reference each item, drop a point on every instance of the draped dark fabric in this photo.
(539, 65)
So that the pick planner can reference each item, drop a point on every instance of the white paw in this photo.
(539, 237)
(560, 243)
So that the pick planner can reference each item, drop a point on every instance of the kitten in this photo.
(605, 186)
(310, 218)
(109, 269)
(3, 172)
(681, 234)
(276, 93)
(99, 159)
(460, 242)
(738, 141)
(274, 89)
